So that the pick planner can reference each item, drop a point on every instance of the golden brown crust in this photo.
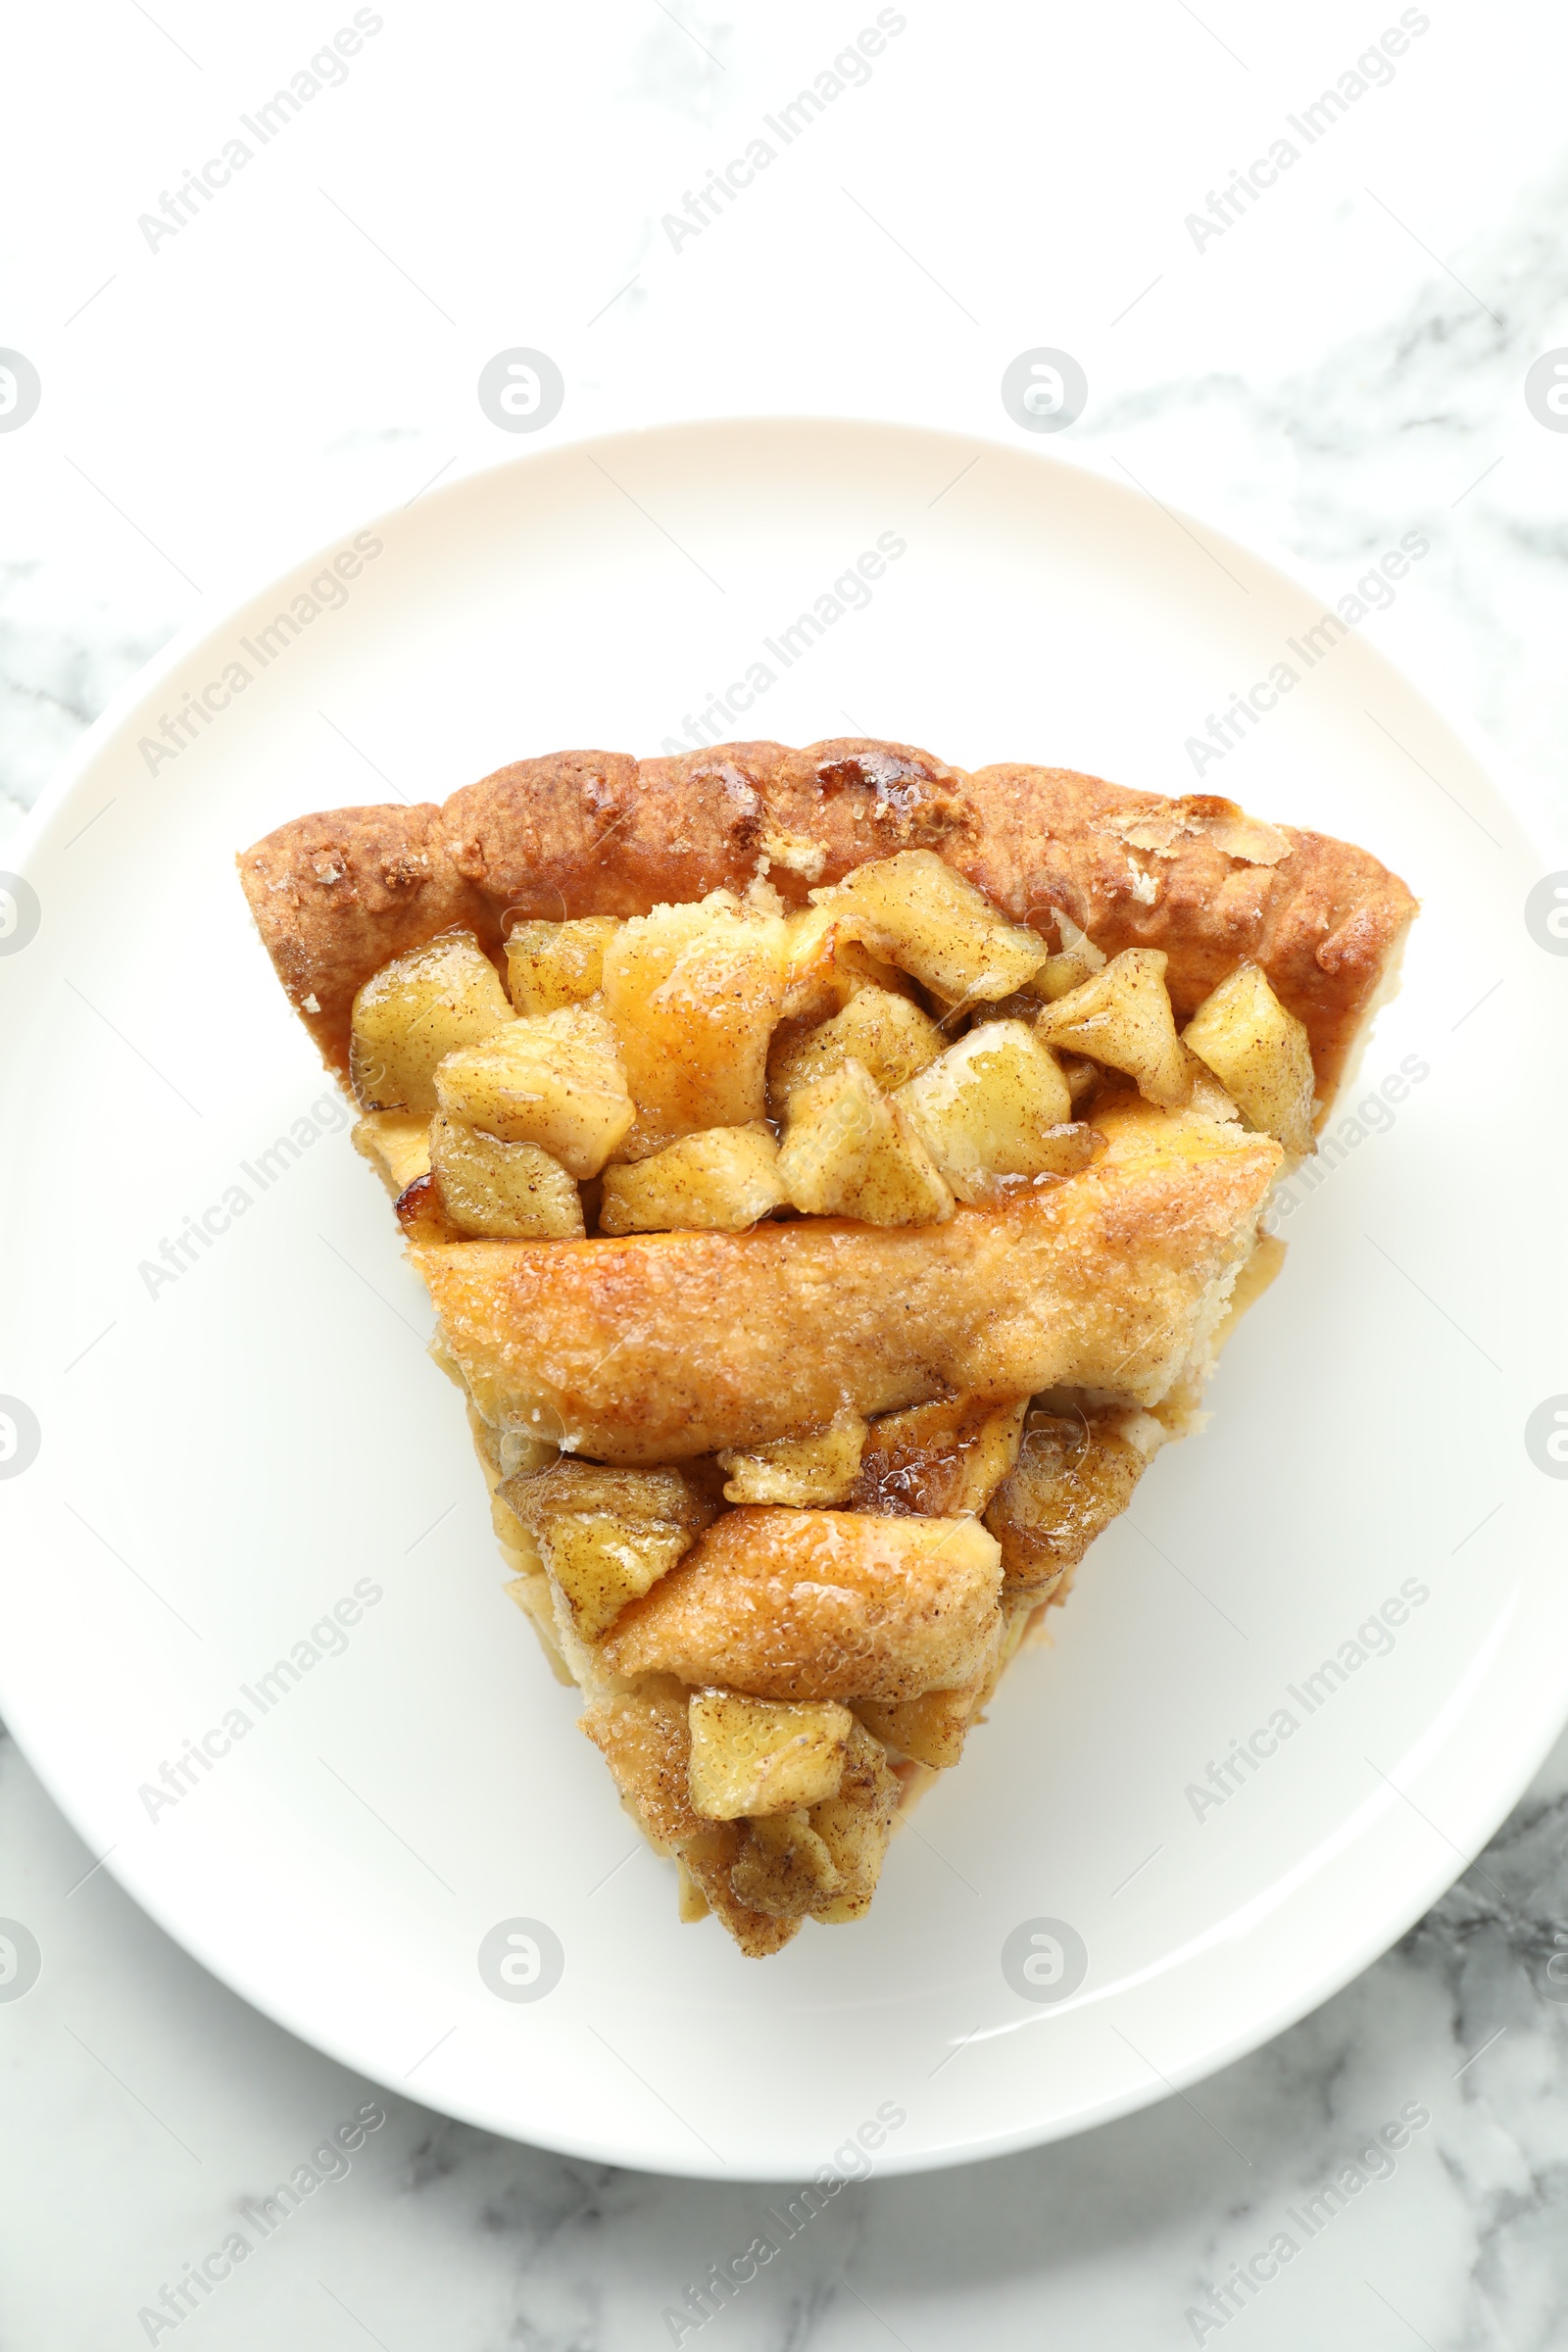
(665, 1346)
(338, 895)
(786, 1604)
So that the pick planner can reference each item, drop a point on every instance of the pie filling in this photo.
(820, 1283)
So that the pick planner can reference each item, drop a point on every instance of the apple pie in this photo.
(835, 1175)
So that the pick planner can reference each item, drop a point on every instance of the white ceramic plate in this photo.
(226, 1455)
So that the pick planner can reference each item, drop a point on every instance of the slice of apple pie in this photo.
(835, 1176)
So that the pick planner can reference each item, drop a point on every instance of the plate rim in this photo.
(216, 614)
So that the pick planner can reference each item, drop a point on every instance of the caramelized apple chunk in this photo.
(815, 1469)
(784, 1867)
(1260, 1053)
(887, 1034)
(914, 910)
(414, 1012)
(938, 1461)
(720, 1180)
(1122, 1018)
(855, 1827)
(763, 1755)
(992, 1105)
(554, 1079)
(504, 1191)
(1075, 1473)
(932, 1729)
(849, 1152)
(823, 1861)
(607, 1537)
(693, 993)
(825, 967)
(551, 965)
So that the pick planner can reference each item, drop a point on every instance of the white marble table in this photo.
(1342, 361)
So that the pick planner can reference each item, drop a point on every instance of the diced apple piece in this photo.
(813, 987)
(928, 921)
(721, 1180)
(932, 1728)
(785, 1868)
(850, 1153)
(801, 1471)
(414, 1012)
(607, 1537)
(397, 1144)
(987, 1108)
(763, 1755)
(1260, 1053)
(824, 967)
(890, 1036)
(1208, 1097)
(554, 1079)
(693, 993)
(1122, 1018)
(550, 966)
(504, 1191)
(1075, 1473)
(939, 1461)
(422, 1213)
(1076, 960)
(854, 1826)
